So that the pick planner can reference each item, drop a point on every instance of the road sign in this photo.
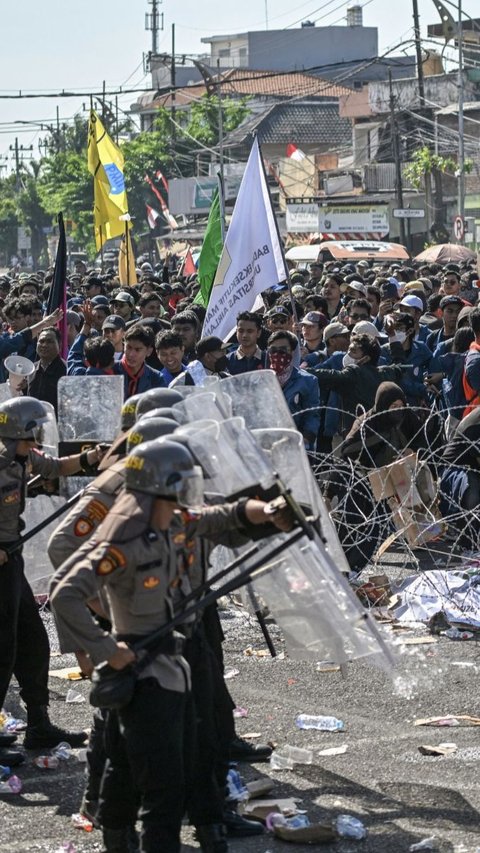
(459, 227)
(409, 213)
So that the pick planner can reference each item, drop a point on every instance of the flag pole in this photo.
(127, 251)
(282, 250)
(101, 247)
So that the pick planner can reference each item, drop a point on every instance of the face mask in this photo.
(279, 361)
(401, 337)
(220, 364)
(348, 361)
(395, 416)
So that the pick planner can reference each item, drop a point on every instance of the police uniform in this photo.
(145, 575)
(24, 646)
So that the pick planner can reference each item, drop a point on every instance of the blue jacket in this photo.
(236, 364)
(421, 360)
(75, 359)
(302, 392)
(150, 378)
(20, 343)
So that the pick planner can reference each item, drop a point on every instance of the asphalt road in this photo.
(401, 796)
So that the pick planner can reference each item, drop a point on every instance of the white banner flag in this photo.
(251, 259)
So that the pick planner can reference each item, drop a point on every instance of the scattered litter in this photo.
(277, 819)
(426, 844)
(81, 755)
(314, 833)
(237, 792)
(261, 808)
(462, 663)
(456, 634)
(348, 826)
(287, 756)
(291, 682)
(441, 749)
(67, 847)
(79, 821)
(62, 751)
(13, 785)
(73, 697)
(259, 788)
(327, 666)
(419, 641)
(449, 720)
(46, 762)
(321, 724)
(68, 673)
(257, 653)
(252, 735)
(334, 750)
(231, 673)
(240, 712)
(9, 724)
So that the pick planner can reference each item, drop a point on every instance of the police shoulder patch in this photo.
(108, 560)
(83, 526)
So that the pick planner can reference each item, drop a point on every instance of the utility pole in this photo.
(154, 28)
(396, 154)
(418, 49)
(17, 164)
(58, 129)
(461, 141)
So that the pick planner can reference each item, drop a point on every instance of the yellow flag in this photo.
(126, 262)
(105, 162)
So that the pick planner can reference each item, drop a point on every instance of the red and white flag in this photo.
(168, 216)
(152, 216)
(189, 267)
(295, 153)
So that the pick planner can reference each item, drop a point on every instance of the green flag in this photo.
(210, 254)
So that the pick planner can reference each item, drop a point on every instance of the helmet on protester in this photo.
(129, 412)
(157, 398)
(21, 417)
(146, 429)
(162, 412)
(165, 469)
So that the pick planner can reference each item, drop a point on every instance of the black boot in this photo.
(212, 838)
(42, 734)
(242, 750)
(11, 757)
(124, 840)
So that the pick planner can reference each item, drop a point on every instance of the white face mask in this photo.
(348, 361)
(401, 337)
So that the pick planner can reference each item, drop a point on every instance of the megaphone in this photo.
(19, 369)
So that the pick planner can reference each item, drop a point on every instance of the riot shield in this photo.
(48, 438)
(289, 460)
(210, 405)
(89, 412)
(38, 568)
(320, 616)
(258, 397)
(229, 455)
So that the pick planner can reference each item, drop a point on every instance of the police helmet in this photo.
(129, 412)
(162, 413)
(21, 417)
(146, 429)
(157, 398)
(165, 469)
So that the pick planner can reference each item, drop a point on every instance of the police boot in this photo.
(212, 838)
(42, 734)
(124, 840)
(11, 757)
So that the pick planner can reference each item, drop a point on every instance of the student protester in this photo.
(95, 358)
(123, 304)
(301, 393)
(49, 368)
(113, 329)
(187, 326)
(138, 376)
(450, 307)
(170, 352)
(150, 305)
(402, 348)
(248, 355)
(211, 361)
(331, 291)
(312, 326)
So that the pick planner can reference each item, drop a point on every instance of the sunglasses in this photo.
(358, 317)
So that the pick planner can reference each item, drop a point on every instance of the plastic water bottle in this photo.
(348, 826)
(322, 724)
(236, 789)
(11, 786)
(297, 754)
(46, 762)
(63, 751)
(79, 821)
(281, 762)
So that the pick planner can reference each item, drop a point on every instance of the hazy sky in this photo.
(58, 44)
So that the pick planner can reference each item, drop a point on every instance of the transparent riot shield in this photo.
(89, 413)
(289, 460)
(47, 436)
(38, 568)
(258, 397)
(320, 616)
(212, 405)
(229, 455)
(5, 393)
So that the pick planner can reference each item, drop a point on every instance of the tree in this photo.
(8, 219)
(425, 165)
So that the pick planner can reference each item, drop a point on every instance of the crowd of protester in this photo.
(340, 338)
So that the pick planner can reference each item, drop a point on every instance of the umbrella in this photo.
(445, 253)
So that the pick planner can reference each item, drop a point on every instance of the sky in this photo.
(54, 45)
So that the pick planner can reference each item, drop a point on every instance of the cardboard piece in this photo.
(441, 749)
(260, 809)
(69, 673)
(316, 833)
(449, 720)
(259, 788)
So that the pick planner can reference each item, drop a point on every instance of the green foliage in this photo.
(425, 162)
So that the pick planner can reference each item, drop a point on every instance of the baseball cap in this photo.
(113, 321)
(100, 300)
(209, 344)
(75, 300)
(276, 310)
(412, 302)
(314, 318)
(364, 264)
(334, 329)
(364, 327)
(91, 281)
(451, 300)
(73, 317)
(356, 285)
(123, 296)
(414, 285)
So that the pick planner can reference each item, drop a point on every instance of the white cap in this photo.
(412, 302)
(356, 285)
(364, 327)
